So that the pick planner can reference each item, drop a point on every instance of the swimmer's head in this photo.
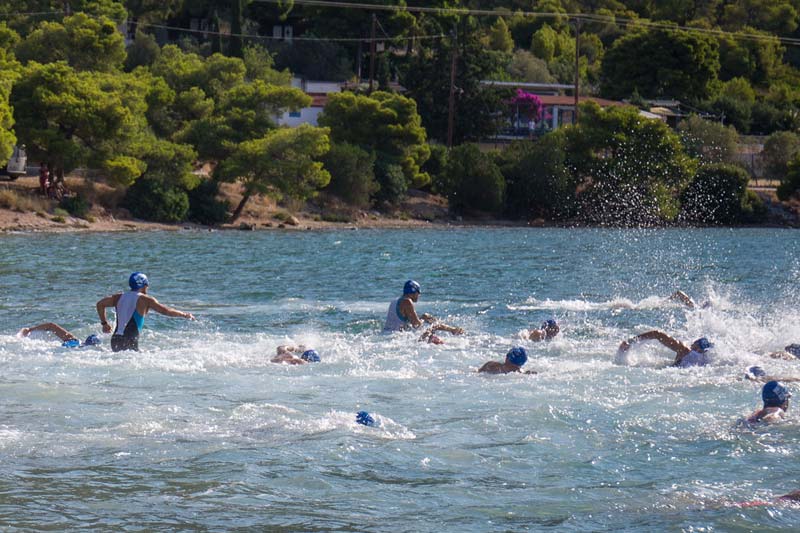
(433, 339)
(756, 372)
(138, 281)
(364, 418)
(775, 394)
(71, 343)
(411, 287)
(517, 356)
(702, 345)
(794, 349)
(550, 328)
(310, 356)
(92, 340)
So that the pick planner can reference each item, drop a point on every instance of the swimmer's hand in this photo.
(427, 317)
(625, 346)
(24, 332)
(189, 316)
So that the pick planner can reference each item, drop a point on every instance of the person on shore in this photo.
(289, 355)
(402, 315)
(776, 403)
(68, 339)
(131, 308)
(44, 178)
(685, 356)
(548, 330)
(515, 359)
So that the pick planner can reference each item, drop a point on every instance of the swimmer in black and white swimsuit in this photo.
(131, 308)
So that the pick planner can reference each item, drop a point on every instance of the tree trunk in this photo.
(239, 208)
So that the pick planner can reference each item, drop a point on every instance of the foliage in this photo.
(84, 42)
(717, 195)
(143, 51)
(473, 180)
(790, 184)
(538, 183)
(499, 38)
(435, 166)
(352, 174)
(152, 199)
(633, 167)
(527, 67)
(260, 65)
(282, 162)
(528, 105)
(77, 206)
(315, 60)
(757, 58)
(738, 113)
(780, 149)
(204, 207)
(687, 66)
(384, 123)
(709, 142)
(392, 182)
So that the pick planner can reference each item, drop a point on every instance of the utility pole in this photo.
(577, 65)
(451, 104)
(372, 47)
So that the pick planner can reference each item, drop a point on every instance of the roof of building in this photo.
(549, 99)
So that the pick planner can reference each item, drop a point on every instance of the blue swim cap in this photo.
(517, 356)
(363, 418)
(137, 281)
(703, 344)
(92, 340)
(311, 356)
(72, 343)
(774, 394)
(549, 324)
(794, 349)
(756, 371)
(411, 287)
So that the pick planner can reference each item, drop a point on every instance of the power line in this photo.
(588, 17)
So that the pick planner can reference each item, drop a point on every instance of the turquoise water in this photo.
(200, 431)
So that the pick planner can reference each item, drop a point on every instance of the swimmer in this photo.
(756, 373)
(685, 299)
(68, 339)
(402, 315)
(776, 403)
(365, 419)
(131, 308)
(685, 356)
(288, 355)
(789, 353)
(546, 331)
(515, 358)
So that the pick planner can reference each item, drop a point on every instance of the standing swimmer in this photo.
(131, 308)
(402, 315)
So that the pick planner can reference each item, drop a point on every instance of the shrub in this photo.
(143, 51)
(710, 142)
(537, 181)
(790, 184)
(473, 180)
(435, 166)
(204, 207)
(737, 113)
(718, 195)
(352, 174)
(779, 149)
(393, 183)
(76, 206)
(149, 199)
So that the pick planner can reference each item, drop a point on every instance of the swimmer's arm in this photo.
(410, 313)
(680, 296)
(153, 304)
(52, 327)
(536, 335)
(108, 301)
(450, 329)
(675, 345)
(427, 317)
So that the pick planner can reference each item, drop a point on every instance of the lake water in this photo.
(199, 430)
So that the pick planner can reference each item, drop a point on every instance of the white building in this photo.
(318, 91)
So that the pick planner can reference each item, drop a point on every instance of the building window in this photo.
(294, 114)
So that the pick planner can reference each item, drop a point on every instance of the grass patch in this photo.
(283, 216)
(59, 219)
(63, 213)
(22, 203)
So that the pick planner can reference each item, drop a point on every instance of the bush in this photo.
(790, 185)
(718, 195)
(204, 207)
(142, 52)
(473, 180)
(150, 199)
(779, 149)
(737, 113)
(76, 206)
(352, 174)
(537, 181)
(393, 183)
(435, 166)
(710, 142)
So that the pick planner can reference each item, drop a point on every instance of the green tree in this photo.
(9, 73)
(778, 16)
(384, 123)
(143, 51)
(632, 168)
(499, 37)
(790, 183)
(85, 43)
(780, 149)
(527, 67)
(661, 63)
(718, 195)
(709, 142)
(473, 180)
(757, 57)
(283, 162)
(352, 174)
(106, 131)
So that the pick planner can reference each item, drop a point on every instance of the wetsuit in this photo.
(394, 320)
(130, 321)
